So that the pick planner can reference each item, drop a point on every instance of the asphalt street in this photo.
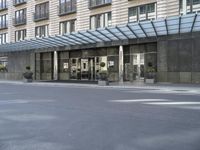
(34, 117)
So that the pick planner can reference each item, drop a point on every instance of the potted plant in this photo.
(103, 76)
(28, 75)
(150, 74)
(3, 68)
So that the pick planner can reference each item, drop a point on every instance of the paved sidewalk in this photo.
(112, 85)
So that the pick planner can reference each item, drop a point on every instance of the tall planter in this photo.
(103, 76)
(150, 74)
(28, 75)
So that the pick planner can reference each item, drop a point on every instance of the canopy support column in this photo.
(121, 64)
(55, 65)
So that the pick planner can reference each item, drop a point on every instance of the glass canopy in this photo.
(168, 26)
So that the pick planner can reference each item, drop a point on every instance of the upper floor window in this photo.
(3, 38)
(96, 3)
(42, 31)
(100, 20)
(143, 12)
(67, 26)
(41, 11)
(3, 21)
(67, 6)
(20, 17)
(191, 6)
(18, 2)
(20, 35)
(3, 4)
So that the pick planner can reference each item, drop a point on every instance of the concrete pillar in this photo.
(184, 7)
(55, 65)
(121, 64)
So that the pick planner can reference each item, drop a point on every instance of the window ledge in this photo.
(2, 9)
(101, 5)
(66, 13)
(18, 4)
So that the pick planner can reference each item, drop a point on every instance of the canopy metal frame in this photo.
(188, 23)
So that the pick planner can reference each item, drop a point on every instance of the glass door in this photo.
(84, 69)
(138, 66)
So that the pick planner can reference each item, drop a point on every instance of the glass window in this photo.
(67, 6)
(67, 26)
(192, 6)
(3, 38)
(143, 9)
(143, 12)
(42, 31)
(20, 16)
(3, 21)
(42, 10)
(3, 4)
(101, 20)
(20, 35)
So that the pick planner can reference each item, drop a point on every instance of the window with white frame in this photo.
(20, 35)
(3, 21)
(42, 31)
(67, 26)
(101, 20)
(143, 12)
(192, 6)
(3, 38)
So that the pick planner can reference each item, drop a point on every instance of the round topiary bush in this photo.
(102, 64)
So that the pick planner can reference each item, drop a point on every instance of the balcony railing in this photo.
(19, 2)
(64, 11)
(40, 16)
(4, 25)
(99, 3)
(3, 6)
(19, 21)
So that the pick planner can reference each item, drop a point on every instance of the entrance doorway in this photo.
(87, 69)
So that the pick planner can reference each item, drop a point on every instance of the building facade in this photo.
(174, 57)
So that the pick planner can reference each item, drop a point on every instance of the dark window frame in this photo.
(4, 22)
(41, 11)
(65, 6)
(21, 19)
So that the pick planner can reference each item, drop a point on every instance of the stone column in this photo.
(55, 65)
(184, 7)
(121, 64)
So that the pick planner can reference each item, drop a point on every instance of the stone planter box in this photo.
(150, 81)
(103, 83)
